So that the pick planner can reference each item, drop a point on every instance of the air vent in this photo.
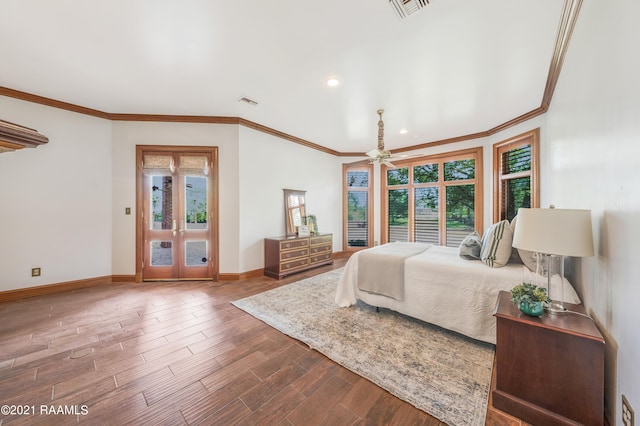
(405, 8)
(248, 101)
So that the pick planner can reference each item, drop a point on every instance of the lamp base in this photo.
(555, 307)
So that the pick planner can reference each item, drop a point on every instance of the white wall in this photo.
(268, 166)
(126, 135)
(55, 200)
(593, 153)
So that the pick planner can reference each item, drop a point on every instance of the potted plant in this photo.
(313, 224)
(529, 298)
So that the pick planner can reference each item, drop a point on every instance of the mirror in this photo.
(294, 210)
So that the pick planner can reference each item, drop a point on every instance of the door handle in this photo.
(181, 228)
(173, 228)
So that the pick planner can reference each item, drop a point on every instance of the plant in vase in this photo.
(313, 223)
(529, 298)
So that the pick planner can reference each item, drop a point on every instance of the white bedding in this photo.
(443, 289)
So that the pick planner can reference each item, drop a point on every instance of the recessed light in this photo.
(403, 131)
(332, 82)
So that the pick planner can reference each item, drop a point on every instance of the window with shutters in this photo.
(515, 175)
(357, 205)
(435, 199)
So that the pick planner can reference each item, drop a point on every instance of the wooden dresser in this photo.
(287, 255)
(549, 369)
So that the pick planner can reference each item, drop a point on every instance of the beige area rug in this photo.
(440, 372)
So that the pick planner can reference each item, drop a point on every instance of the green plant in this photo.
(311, 220)
(528, 293)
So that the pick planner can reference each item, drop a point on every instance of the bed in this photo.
(443, 289)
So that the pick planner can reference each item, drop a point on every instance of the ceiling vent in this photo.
(405, 8)
(248, 101)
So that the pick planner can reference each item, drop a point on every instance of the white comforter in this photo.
(445, 290)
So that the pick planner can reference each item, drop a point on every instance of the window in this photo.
(357, 205)
(435, 199)
(515, 175)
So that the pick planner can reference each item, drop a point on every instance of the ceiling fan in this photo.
(380, 155)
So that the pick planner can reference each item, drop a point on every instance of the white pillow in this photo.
(527, 257)
(496, 244)
(470, 247)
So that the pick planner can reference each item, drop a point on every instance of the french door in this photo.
(177, 213)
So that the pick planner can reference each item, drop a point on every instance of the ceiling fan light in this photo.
(374, 153)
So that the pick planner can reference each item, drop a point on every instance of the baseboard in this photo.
(241, 276)
(341, 254)
(22, 293)
(123, 278)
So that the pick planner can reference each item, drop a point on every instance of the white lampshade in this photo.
(562, 232)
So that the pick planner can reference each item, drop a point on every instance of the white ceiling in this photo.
(453, 68)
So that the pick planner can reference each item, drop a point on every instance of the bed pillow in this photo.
(525, 256)
(470, 247)
(496, 244)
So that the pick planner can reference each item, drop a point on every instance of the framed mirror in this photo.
(294, 210)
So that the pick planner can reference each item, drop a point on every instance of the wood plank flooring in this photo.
(177, 353)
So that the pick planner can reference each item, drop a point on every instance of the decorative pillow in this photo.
(470, 246)
(496, 244)
(527, 257)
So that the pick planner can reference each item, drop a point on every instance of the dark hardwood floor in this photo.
(177, 353)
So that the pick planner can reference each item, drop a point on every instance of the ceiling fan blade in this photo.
(388, 163)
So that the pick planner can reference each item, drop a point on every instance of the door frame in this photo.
(212, 195)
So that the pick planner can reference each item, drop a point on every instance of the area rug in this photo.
(440, 372)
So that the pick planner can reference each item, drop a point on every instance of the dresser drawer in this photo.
(291, 244)
(322, 239)
(321, 258)
(294, 264)
(325, 248)
(293, 254)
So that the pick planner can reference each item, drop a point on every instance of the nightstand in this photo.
(549, 369)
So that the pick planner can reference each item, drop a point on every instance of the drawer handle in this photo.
(287, 245)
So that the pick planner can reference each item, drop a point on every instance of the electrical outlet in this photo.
(627, 412)
(35, 272)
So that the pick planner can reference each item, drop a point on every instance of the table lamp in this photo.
(554, 233)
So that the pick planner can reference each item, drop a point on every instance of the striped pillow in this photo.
(496, 244)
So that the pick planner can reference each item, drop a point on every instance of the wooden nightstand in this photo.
(549, 369)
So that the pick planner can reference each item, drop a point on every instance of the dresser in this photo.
(549, 369)
(287, 255)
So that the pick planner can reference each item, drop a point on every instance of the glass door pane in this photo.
(161, 253)
(357, 220)
(196, 253)
(195, 204)
(426, 216)
(460, 213)
(161, 202)
(398, 215)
